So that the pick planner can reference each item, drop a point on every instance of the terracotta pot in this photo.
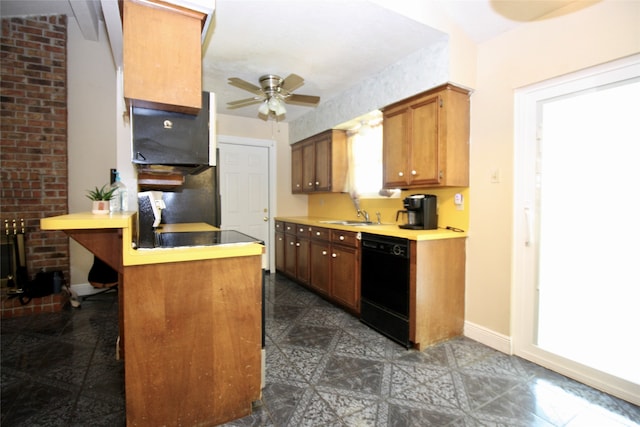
(100, 207)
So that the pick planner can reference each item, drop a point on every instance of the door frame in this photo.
(270, 145)
(523, 300)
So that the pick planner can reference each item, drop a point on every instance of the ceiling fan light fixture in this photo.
(264, 108)
(273, 103)
(272, 94)
(279, 109)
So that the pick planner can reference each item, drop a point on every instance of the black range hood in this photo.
(165, 140)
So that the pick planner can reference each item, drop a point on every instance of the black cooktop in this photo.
(202, 238)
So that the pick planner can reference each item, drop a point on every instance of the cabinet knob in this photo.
(298, 244)
(317, 182)
(290, 243)
(414, 173)
(400, 173)
(324, 252)
(341, 237)
(311, 184)
(297, 185)
(317, 233)
(334, 255)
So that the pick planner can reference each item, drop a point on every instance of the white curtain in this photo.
(364, 174)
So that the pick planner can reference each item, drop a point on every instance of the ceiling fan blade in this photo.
(243, 84)
(292, 83)
(244, 102)
(302, 99)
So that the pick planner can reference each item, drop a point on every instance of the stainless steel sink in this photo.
(353, 223)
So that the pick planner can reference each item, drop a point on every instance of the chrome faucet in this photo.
(365, 214)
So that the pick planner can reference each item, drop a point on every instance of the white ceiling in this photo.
(332, 44)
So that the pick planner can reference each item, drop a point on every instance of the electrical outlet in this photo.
(458, 200)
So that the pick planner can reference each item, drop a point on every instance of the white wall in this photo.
(91, 102)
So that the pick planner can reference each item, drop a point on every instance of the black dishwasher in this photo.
(384, 303)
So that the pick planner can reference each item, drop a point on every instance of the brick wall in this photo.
(33, 133)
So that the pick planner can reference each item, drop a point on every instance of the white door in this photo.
(245, 191)
(577, 284)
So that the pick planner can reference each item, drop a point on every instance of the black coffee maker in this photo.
(421, 212)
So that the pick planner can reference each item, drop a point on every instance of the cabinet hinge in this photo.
(441, 102)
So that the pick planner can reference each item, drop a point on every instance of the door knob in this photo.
(265, 219)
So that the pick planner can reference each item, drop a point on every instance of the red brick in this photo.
(33, 134)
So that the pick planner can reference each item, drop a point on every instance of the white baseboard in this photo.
(488, 337)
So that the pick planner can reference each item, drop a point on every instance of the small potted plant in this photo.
(101, 198)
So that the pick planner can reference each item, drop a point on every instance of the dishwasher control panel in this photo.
(384, 244)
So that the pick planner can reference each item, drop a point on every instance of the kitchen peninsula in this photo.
(190, 321)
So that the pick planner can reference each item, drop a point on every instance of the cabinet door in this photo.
(323, 163)
(424, 163)
(302, 260)
(162, 56)
(395, 152)
(308, 167)
(280, 252)
(320, 266)
(290, 255)
(345, 273)
(296, 169)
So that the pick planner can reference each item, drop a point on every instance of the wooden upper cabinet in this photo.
(319, 163)
(395, 148)
(296, 169)
(323, 162)
(162, 56)
(426, 140)
(308, 166)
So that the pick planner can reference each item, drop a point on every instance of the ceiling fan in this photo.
(272, 94)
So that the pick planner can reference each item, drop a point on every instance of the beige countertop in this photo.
(131, 256)
(383, 229)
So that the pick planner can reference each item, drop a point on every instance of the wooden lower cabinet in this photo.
(290, 257)
(280, 247)
(325, 260)
(302, 260)
(171, 310)
(321, 267)
(345, 269)
(294, 256)
(437, 283)
(345, 276)
(437, 277)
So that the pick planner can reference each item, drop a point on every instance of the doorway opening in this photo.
(575, 273)
(247, 180)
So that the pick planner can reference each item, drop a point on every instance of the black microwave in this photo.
(170, 138)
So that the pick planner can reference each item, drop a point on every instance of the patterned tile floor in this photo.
(324, 368)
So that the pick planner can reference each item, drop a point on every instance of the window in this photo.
(365, 160)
